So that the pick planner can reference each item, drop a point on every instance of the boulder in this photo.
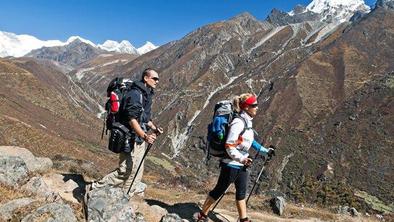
(34, 164)
(139, 189)
(109, 204)
(343, 210)
(13, 171)
(159, 210)
(171, 218)
(52, 212)
(63, 186)
(8, 208)
(353, 212)
(278, 205)
(37, 185)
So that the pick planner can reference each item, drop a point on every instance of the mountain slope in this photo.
(40, 110)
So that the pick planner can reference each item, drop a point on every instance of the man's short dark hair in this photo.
(146, 73)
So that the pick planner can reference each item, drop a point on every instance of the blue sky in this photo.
(136, 21)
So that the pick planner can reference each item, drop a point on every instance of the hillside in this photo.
(41, 109)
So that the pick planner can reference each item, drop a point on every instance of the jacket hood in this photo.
(141, 85)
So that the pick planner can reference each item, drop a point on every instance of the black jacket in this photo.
(136, 104)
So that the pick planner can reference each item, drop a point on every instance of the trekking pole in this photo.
(255, 183)
(236, 177)
(102, 133)
(258, 178)
(139, 166)
(158, 132)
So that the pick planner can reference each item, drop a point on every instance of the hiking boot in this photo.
(200, 217)
(245, 220)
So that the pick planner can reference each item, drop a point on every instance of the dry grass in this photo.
(20, 213)
(78, 211)
(8, 193)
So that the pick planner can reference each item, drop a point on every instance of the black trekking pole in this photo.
(258, 177)
(102, 133)
(236, 177)
(158, 131)
(139, 166)
(255, 183)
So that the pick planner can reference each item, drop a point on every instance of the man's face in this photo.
(152, 79)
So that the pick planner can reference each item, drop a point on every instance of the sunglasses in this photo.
(155, 78)
(254, 105)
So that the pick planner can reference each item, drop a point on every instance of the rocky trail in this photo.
(32, 190)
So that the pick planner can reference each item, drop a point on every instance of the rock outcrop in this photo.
(109, 204)
(171, 218)
(7, 209)
(278, 205)
(52, 212)
(34, 164)
(19, 171)
(13, 171)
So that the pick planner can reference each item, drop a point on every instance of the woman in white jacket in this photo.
(233, 168)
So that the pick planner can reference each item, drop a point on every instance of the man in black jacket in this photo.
(135, 114)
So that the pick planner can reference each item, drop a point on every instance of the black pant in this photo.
(230, 175)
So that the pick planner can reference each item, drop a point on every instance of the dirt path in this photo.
(186, 203)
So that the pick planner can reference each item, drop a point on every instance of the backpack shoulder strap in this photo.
(245, 125)
(236, 115)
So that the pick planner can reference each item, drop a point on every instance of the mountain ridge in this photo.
(15, 45)
(330, 11)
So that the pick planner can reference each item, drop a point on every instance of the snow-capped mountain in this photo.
(146, 48)
(19, 45)
(337, 10)
(331, 12)
(122, 47)
(73, 38)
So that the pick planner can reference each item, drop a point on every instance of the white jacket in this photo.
(237, 146)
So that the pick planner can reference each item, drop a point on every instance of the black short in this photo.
(230, 175)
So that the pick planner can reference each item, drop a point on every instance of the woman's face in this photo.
(252, 109)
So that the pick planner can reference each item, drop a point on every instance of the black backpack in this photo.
(218, 129)
(120, 134)
(116, 89)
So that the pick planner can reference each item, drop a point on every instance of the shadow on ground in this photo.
(184, 210)
(79, 191)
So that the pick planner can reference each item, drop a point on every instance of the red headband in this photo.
(249, 101)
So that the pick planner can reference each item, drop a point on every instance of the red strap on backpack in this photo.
(115, 103)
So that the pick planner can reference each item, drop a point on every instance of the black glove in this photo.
(271, 152)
